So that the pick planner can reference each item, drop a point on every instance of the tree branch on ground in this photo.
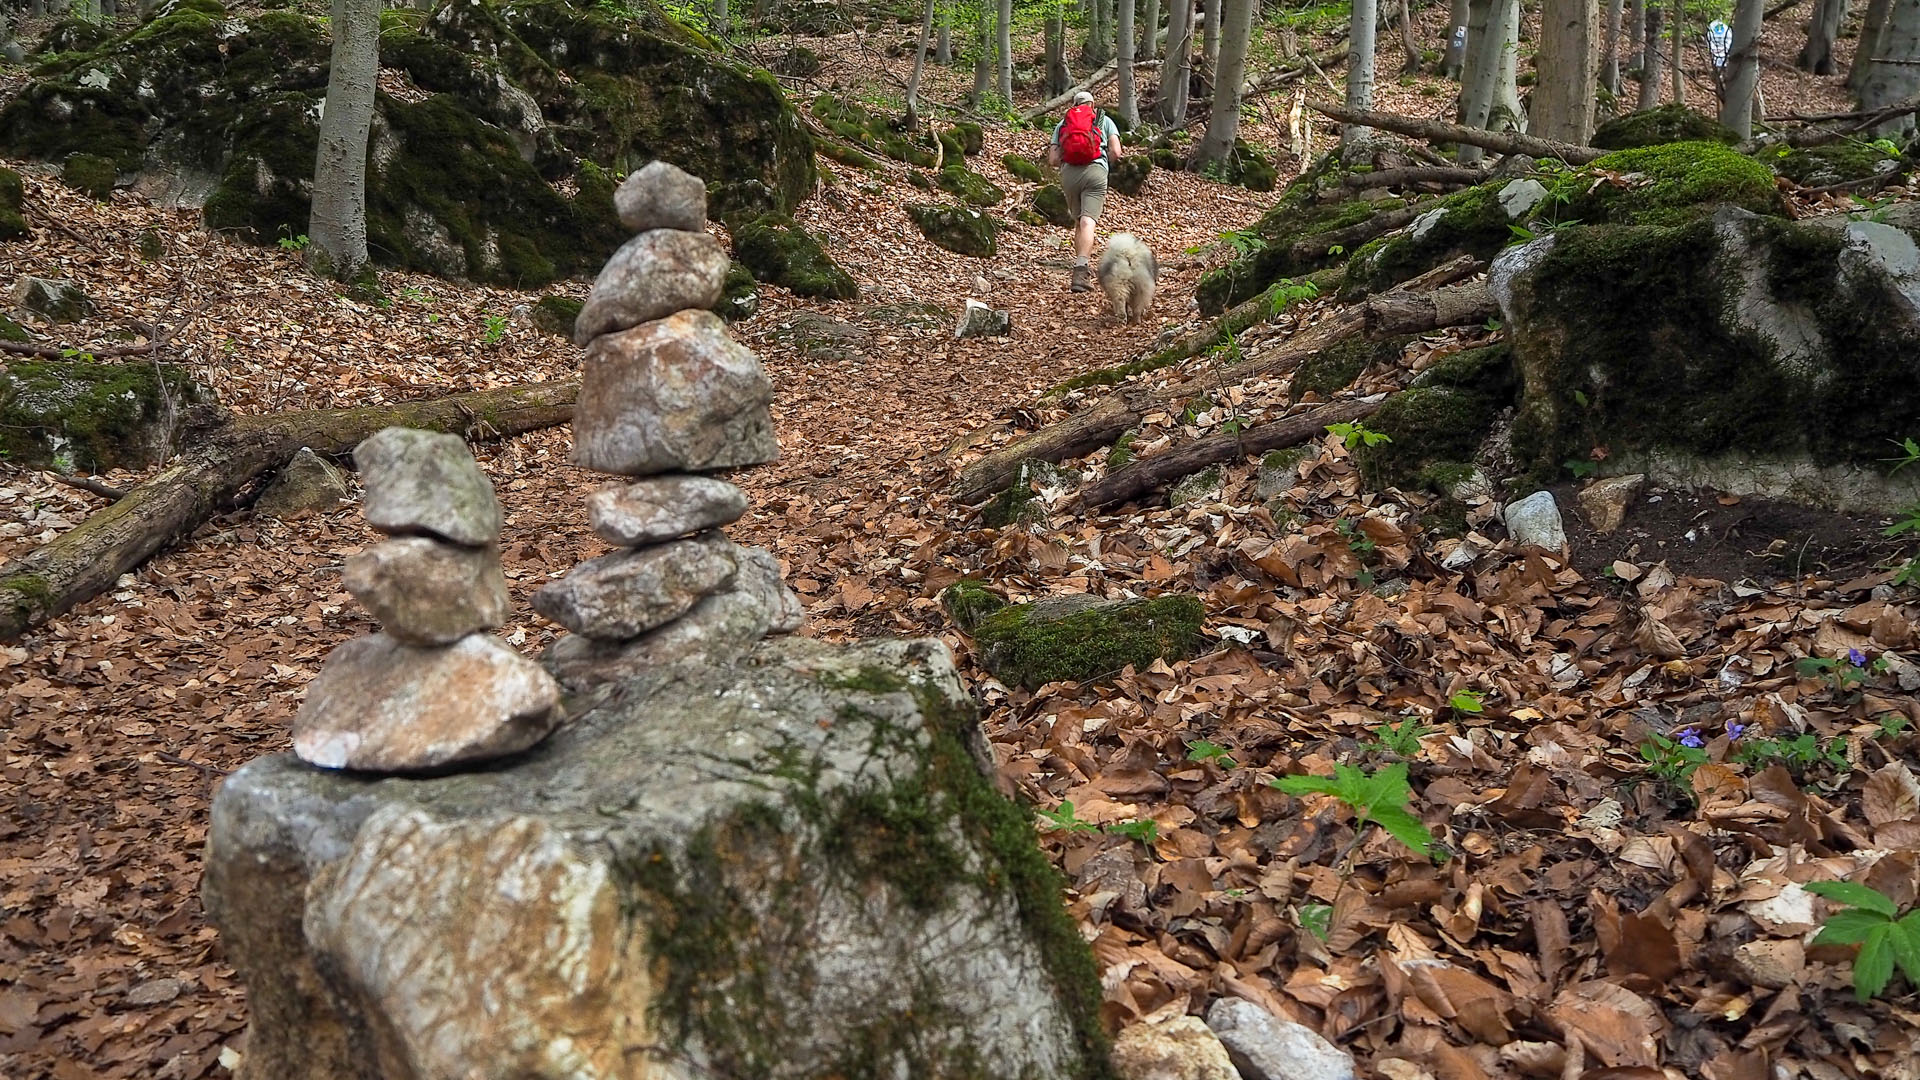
(1503, 142)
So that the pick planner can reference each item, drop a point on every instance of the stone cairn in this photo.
(666, 396)
(433, 690)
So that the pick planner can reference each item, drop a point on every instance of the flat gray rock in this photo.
(427, 592)
(1535, 522)
(427, 482)
(308, 483)
(673, 395)
(620, 596)
(655, 274)
(662, 508)
(381, 705)
(1267, 1047)
(662, 196)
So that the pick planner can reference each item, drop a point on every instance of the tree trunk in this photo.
(1395, 313)
(1508, 113)
(1743, 68)
(1563, 98)
(10, 50)
(1636, 27)
(943, 45)
(721, 18)
(1223, 123)
(1058, 77)
(1407, 41)
(1873, 29)
(1150, 31)
(1455, 61)
(1677, 67)
(1124, 43)
(1650, 63)
(1355, 140)
(1822, 27)
(1488, 49)
(1003, 33)
(1174, 69)
(1501, 142)
(1210, 40)
(983, 56)
(912, 119)
(1161, 470)
(1610, 48)
(338, 226)
(86, 560)
(1895, 76)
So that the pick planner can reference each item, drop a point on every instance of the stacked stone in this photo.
(433, 689)
(666, 397)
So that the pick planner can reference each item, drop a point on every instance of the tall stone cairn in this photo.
(433, 690)
(666, 397)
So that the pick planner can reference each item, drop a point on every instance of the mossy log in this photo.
(86, 560)
(1501, 142)
(1413, 313)
(1446, 175)
(1149, 474)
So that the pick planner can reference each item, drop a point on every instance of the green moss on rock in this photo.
(1023, 168)
(959, 229)
(1128, 176)
(556, 315)
(1083, 639)
(13, 331)
(1244, 166)
(779, 252)
(90, 174)
(1051, 204)
(972, 137)
(1334, 368)
(971, 187)
(1666, 124)
(1669, 184)
(740, 295)
(80, 414)
(13, 196)
(1835, 163)
(1472, 222)
(873, 131)
(968, 601)
(1443, 418)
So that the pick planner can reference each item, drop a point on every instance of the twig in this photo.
(176, 759)
(87, 483)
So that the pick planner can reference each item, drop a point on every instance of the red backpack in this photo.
(1081, 140)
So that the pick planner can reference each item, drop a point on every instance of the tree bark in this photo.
(1563, 99)
(1081, 433)
(1453, 65)
(1610, 48)
(1650, 63)
(1489, 46)
(912, 119)
(1503, 142)
(1355, 139)
(1174, 69)
(943, 44)
(1636, 27)
(1822, 27)
(338, 225)
(1448, 175)
(722, 18)
(1210, 42)
(1895, 75)
(1223, 124)
(1149, 31)
(983, 56)
(1394, 313)
(1677, 68)
(1873, 28)
(1129, 105)
(1058, 77)
(87, 559)
(1167, 468)
(1407, 42)
(10, 50)
(1003, 32)
(1743, 68)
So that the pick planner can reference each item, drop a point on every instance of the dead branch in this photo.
(1395, 313)
(1451, 176)
(88, 484)
(1161, 470)
(1502, 142)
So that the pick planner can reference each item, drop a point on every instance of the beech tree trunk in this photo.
(1563, 99)
(87, 559)
(1174, 69)
(943, 44)
(722, 18)
(1895, 75)
(1407, 41)
(1129, 106)
(1636, 27)
(1610, 48)
(1210, 40)
(1490, 59)
(1223, 123)
(1058, 77)
(1823, 26)
(338, 226)
(1150, 31)
(1455, 61)
(983, 55)
(1743, 67)
(912, 119)
(1677, 68)
(1003, 31)
(1873, 29)
(1355, 139)
(10, 50)
(1650, 61)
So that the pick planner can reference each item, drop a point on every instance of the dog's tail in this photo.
(1128, 272)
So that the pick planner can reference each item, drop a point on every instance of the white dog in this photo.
(1127, 275)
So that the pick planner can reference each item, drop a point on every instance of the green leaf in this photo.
(1317, 918)
(1849, 927)
(1307, 785)
(1874, 966)
(1854, 894)
(1404, 827)
(1906, 947)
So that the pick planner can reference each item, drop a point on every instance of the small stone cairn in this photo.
(667, 396)
(433, 690)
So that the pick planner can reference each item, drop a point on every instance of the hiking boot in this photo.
(1082, 280)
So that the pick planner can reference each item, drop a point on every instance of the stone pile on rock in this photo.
(666, 397)
(432, 690)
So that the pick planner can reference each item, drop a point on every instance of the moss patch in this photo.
(1334, 368)
(1471, 222)
(782, 253)
(968, 601)
(89, 174)
(1443, 418)
(13, 331)
(13, 195)
(1023, 168)
(1080, 639)
(972, 188)
(556, 315)
(1244, 166)
(971, 137)
(1666, 124)
(1270, 256)
(1128, 176)
(1051, 204)
(873, 131)
(739, 295)
(1835, 163)
(1669, 184)
(959, 229)
(79, 414)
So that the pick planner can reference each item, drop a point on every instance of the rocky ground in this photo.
(1587, 915)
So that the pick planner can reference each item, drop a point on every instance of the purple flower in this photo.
(1735, 730)
(1856, 658)
(1691, 739)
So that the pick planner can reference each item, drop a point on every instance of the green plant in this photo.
(1357, 434)
(1316, 919)
(1401, 739)
(1203, 751)
(1064, 819)
(1869, 918)
(1380, 797)
(1468, 701)
(294, 243)
(1893, 725)
(1842, 674)
(1581, 469)
(1673, 760)
(1358, 542)
(1244, 242)
(1287, 291)
(1797, 754)
(1145, 830)
(495, 331)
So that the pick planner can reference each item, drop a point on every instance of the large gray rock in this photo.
(718, 630)
(661, 196)
(426, 592)
(308, 483)
(673, 395)
(662, 508)
(1535, 522)
(791, 869)
(657, 273)
(1267, 1047)
(427, 482)
(380, 705)
(60, 300)
(620, 596)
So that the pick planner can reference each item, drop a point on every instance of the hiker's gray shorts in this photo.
(1086, 189)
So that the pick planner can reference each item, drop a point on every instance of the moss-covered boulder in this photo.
(1739, 351)
(1438, 424)
(739, 295)
(1478, 221)
(875, 131)
(13, 197)
(1051, 204)
(798, 62)
(1265, 253)
(1666, 124)
(1166, 158)
(1128, 176)
(779, 252)
(80, 414)
(1668, 184)
(556, 314)
(90, 174)
(791, 868)
(972, 137)
(959, 229)
(1082, 638)
(969, 601)
(1022, 167)
(58, 300)
(969, 186)
(1834, 163)
(1335, 367)
(1244, 166)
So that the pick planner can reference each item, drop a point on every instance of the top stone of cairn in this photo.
(427, 482)
(662, 196)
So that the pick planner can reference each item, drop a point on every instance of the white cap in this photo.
(1083, 98)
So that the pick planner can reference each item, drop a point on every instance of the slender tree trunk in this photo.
(1636, 26)
(722, 18)
(1174, 70)
(982, 55)
(1822, 27)
(1677, 67)
(10, 50)
(1223, 124)
(1101, 34)
(1895, 76)
(37, 9)
(1476, 93)
(1210, 39)
(912, 119)
(1563, 98)
(1454, 64)
(1743, 67)
(1407, 41)
(1150, 31)
(1610, 48)
(1058, 77)
(1650, 60)
(1873, 29)
(1508, 113)
(1492, 101)
(1124, 43)
(1003, 33)
(943, 44)
(1355, 140)
(338, 226)
(86, 9)
(109, 8)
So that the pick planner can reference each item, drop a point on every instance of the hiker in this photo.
(1084, 142)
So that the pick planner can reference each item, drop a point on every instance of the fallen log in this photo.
(1083, 432)
(86, 560)
(1502, 142)
(1394, 313)
(1162, 470)
(1455, 175)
